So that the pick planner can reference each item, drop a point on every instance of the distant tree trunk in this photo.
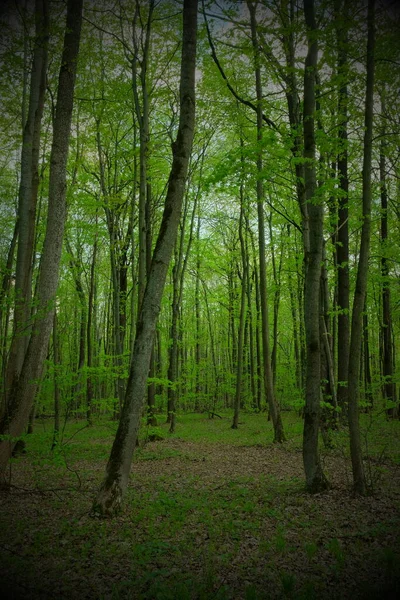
(173, 350)
(342, 247)
(109, 497)
(313, 242)
(258, 326)
(365, 363)
(277, 270)
(242, 315)
(198, 388)
(389, 387)
(24, 388)
(76, 270)
(5, 312)
(252, 357)
(89, 332)
(27, 198)
(296, 340)
(360, 485)
(274, 410)
(56, 360)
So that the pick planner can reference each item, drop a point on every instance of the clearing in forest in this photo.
(210, 513)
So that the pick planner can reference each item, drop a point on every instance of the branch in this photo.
(222, 72)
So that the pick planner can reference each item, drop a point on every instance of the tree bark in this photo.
(109, 497)
(389, 386)
(342, 248)
(315, 478)
(27, 197)
(24, 388)
(279, 435)
(242, 315)
(359, 480)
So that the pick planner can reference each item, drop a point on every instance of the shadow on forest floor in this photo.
(203, 519)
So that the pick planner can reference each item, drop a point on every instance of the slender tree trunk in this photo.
(89, 332)
(274, 410)
(315, 478)
(198, 388)
(56, 360)
(5, 315)
(360, 485)
(365, 362)
(27, 199)
(109, 497)
(342, 247)
(141, 103)
(389, 387)
(24, 388)
(242, 315)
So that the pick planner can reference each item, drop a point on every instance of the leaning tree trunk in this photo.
(359, 480)
(315, 478)
(109, 497)
(23, 390)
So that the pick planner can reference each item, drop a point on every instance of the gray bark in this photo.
(342, 249)
(359, 481)
(24, 388)
(27, 197)
(315, 478)
(279, 435)
(109, 497)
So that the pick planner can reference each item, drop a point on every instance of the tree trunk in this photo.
(242, 316)
(279, 435)
(56, 360)
(24, 388)
(89, 332)
(27, 198)
(315, 478)
(342, 247)
(360, 485)
(109, 497)
(389, 387)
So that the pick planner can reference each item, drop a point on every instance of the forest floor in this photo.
(210, 513)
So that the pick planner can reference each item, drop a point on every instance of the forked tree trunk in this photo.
(315, 478)
(109, 497)
(23, 391)
(359, 481)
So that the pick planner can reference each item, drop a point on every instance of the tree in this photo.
(109, 497)
(279, 435)
(313, 242)
(342, 249)
(27, 198)
(24, 387)
(359, 480)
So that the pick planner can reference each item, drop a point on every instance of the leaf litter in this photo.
(201, 519)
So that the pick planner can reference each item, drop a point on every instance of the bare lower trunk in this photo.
(342, 249)
(359, 480)
(109, 497)
(315, 478)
